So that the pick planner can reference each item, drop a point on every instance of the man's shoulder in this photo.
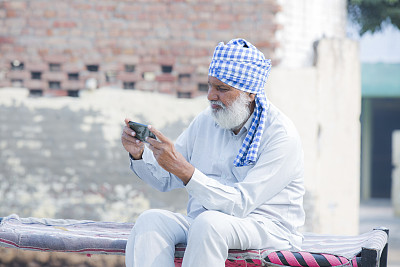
(279, 123)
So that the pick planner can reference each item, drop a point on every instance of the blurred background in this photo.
(71, 71)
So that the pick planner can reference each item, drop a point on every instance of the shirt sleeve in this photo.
(279, 163)
(148, 170)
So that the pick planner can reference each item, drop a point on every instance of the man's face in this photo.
(219, 91)
(230, 106)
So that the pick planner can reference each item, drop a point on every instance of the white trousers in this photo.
(208, 237)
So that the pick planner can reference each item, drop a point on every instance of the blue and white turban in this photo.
(242, 66)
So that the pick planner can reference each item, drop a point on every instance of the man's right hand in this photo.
(131, 144)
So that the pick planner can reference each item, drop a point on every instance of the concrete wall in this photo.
(324, 101)
(304, 22)
(62, 157)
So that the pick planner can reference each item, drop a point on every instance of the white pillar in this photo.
(396, 172)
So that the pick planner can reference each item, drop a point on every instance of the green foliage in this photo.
(370, 14)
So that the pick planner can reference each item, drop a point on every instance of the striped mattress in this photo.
(91, 237)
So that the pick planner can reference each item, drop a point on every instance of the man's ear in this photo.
(252, 96)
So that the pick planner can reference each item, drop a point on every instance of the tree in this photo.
(370, 14)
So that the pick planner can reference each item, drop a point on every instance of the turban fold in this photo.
(242, 66)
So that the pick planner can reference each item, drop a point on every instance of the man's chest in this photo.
(214, 154)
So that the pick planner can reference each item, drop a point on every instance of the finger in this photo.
(158, 134)
(127, 120)
(153, 142)
(129, 131)
(130, 139)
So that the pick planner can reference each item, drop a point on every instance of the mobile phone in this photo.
(141, 131)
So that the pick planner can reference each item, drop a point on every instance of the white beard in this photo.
(233, 116)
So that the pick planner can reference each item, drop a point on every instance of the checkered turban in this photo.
(242, 66)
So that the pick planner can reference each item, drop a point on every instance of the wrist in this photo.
(187, 173)
(137, 156)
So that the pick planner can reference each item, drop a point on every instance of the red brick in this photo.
(129, 8)
(82, 6)
(50, 14)
(128, 59)
(166, 60)
(54, 76)
(129, 77)
(72, 67)
(12, 13)
(109, 7)
(165, 77)
(38, 23)
(56, 58)
(23, 75)
(167, 87)
(187, 87)
(6, 40)
(64, 24)
(73, 85)
(36, 84)
(37, 66)
(56, 93)
(4, 83)
(14, 5)
(185, 68)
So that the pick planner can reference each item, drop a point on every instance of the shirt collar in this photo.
(248, 122)
(247, 125)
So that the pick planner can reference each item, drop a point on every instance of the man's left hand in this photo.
(168, 158)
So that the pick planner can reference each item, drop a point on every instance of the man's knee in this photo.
(210, 223)
(150, 219)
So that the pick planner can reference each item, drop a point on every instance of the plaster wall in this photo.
(304, 22)
(324, 101)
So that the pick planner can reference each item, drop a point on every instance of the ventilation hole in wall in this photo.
(17, 65)
(129, 68)
(166, 68)
(149, 76)
(184, 94)
(17, 82)
(35, 92)
(73, 76)
(184, 76)
(73, 93)
(54, 85)
(92, 68)
(202, 87)
(36, 75)
(129, 85)
(54, 67)
(111, 76)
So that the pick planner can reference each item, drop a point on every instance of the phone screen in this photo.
(141, 131)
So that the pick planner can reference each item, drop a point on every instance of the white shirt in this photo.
(271, 189)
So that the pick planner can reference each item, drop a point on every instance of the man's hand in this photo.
(131, 144)
(168, 158)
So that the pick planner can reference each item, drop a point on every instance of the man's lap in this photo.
(239, 233)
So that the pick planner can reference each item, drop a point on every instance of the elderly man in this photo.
(241, 162)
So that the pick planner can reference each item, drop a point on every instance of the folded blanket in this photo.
(91, 237)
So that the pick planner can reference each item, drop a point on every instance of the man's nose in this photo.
(212, 94)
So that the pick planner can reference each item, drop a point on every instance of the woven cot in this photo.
(91, 237)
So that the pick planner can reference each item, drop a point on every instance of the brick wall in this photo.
(54, 47)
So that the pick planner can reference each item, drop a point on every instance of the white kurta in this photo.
(270, 191)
